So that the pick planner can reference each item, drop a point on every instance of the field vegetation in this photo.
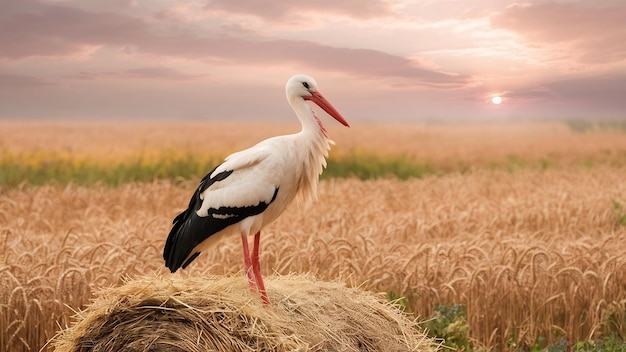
(116, 152)
(502, 236)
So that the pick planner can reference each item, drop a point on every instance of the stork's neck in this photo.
(313, 147)
(310, 122)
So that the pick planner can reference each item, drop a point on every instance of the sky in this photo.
(374, 60)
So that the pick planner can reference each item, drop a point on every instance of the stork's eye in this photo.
(306, 85)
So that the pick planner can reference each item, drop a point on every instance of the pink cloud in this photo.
(359, 62)
(595, 30)
(534, 94)
(29, 28)
(594, 92)
(273, 10)
(154, 72)
(12, 81)
(52, 30)
(596, 96)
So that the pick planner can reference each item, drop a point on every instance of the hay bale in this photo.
(221, 314)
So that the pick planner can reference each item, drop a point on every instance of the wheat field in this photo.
(531, 253)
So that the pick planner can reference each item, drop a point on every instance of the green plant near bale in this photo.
(399, 301)
(607, 343)
(449, 324)
(613, 321)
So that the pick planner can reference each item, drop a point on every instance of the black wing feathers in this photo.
(190, 230)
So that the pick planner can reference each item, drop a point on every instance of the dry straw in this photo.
(221, 314)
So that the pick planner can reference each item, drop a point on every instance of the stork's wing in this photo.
(244, 185)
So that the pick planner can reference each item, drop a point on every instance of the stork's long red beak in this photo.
(318, 99)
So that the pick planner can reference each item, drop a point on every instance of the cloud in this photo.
(595, 30)
(30, 28)
(154, 72)
(11, 81)
(598, 91)
(360, 62)
(271, 10)
(592, 96)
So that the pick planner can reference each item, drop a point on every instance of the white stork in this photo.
(251, 188)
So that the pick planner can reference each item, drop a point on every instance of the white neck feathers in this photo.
(314, 146)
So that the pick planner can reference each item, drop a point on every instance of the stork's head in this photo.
(305, 87)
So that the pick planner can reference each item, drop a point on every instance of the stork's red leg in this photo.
(256, 267)
(246, 258)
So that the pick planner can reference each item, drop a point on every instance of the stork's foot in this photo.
(253, 267)
(256, 285)
(256, 268)
(264, 297)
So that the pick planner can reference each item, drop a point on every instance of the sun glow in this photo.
(497, 100)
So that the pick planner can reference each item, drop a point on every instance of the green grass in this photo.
(449, 326)
(369, 166)
(44, 167)
(41, 168)
(60, 169)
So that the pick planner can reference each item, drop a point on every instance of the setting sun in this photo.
(496, 100)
